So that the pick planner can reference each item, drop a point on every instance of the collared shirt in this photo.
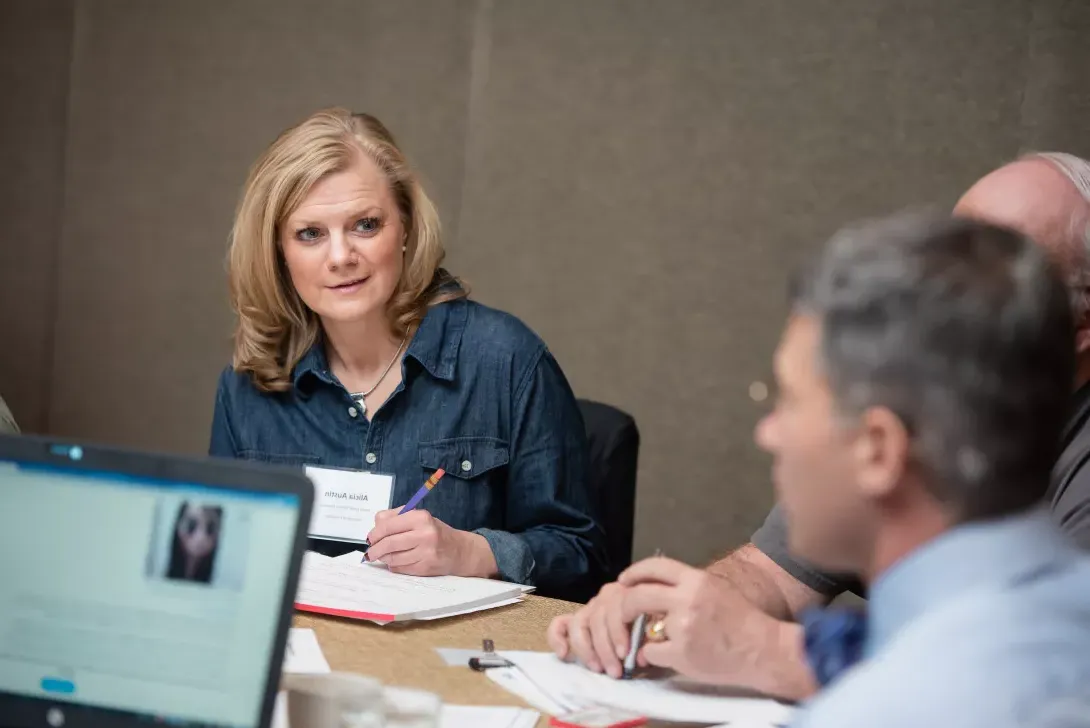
(482, 398)
(1068, 498)
(987, 625)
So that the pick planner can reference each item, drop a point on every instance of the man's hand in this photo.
(713, 633)
(596, 635)
(419, 544)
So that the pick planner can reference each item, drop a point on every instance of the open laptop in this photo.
(138, 589)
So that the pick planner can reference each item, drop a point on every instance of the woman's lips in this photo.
(349, 286)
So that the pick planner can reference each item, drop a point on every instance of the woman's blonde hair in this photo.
(275, 328)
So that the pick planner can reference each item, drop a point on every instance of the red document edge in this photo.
(344, 613)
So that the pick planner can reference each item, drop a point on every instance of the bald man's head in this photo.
(1045, 196)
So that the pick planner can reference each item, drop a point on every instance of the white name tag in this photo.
(346, 501)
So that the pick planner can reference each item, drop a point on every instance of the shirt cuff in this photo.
(514, 560)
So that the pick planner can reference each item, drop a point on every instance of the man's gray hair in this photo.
(963, 330)
(1077, 172)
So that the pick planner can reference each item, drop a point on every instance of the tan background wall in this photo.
(634, 178)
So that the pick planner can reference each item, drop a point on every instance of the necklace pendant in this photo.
(361, 404)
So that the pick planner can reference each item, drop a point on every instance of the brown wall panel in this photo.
(35, 43)
(171, 103)
(645, 174)
(634, 178)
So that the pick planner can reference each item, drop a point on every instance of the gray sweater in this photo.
(7, 422)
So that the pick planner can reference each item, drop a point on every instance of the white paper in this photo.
(572, 687)
(346, 501)
(352, 557)
(514, 681)
(280, 711)
(369, 591)
(303, 653)
(471, 610)
(473, 716)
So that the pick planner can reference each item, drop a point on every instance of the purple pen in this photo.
(414, 501)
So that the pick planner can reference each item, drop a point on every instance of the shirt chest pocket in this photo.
(466, 458)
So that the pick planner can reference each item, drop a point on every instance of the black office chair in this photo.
(614, 453)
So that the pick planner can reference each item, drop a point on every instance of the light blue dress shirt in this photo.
(987, 625)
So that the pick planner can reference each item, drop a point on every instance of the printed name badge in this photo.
(346, 501)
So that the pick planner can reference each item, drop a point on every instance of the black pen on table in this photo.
(636, 641)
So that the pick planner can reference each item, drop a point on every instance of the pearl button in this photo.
(466, 466)
(371, 458)
(352, 412)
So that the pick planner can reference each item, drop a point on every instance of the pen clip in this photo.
(490, 659)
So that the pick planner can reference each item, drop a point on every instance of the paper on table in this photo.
(473, 716)
(369, 591)
(513, 680)
(356, 557)
(450, 716)
(303, 653)
(573, 687)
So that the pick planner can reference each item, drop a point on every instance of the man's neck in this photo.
(901, 534)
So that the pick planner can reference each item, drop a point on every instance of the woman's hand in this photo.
(419, 544)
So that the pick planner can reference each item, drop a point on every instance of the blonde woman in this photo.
(355, 349)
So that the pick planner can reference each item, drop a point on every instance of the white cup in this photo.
(407, 708)
(334, 700)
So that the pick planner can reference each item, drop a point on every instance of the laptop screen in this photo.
(149, 597)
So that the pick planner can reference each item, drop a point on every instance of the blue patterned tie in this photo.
(834, 640)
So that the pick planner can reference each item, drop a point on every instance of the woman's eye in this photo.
(368, 225)
(308, 234)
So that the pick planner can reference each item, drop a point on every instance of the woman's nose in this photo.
(340, 250)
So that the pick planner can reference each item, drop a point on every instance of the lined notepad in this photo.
(345, 588)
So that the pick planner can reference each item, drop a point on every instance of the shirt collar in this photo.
(439, 338)
(435, 345)
(966, 558)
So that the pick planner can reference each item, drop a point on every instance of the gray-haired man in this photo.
(745, 618)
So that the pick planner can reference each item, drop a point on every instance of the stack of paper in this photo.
(557, 687)
(346, 588)
(303, 653)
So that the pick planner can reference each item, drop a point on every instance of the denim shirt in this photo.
(482, 398)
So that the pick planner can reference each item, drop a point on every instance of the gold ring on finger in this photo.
(656, 631)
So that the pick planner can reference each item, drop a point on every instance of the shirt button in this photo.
(371, 458)
(466, 466)
(352, 412)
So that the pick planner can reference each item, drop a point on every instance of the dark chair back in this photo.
(614, 454)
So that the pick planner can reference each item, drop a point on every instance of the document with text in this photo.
(372, 592)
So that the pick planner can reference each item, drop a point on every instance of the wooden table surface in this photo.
(404, 654)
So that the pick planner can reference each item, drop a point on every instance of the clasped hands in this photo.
(711, 632)
(419, 544)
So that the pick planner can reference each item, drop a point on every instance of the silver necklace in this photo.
(360, 397)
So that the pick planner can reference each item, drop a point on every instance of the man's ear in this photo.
(880, 452)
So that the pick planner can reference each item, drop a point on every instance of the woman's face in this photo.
(343, 244)
(199, 529)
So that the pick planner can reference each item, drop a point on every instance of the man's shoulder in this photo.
(1069, 491)
(980, 660)
(7, 420)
